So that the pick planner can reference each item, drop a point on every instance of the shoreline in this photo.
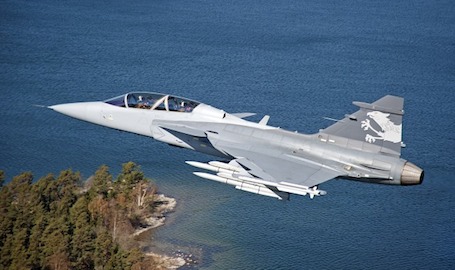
(165, 205)
(157, 218)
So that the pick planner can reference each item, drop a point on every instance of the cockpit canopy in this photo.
(153, 101)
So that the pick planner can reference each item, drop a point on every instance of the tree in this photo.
(35, 248)
(67, 184)
(83, 239)
(58, 261)
(102, 181)
(134, 259)
(19, 249)
(143, 190)
(99, 210)
(6, 217)
(56, 242)
(47, 189)
(6, 251)
(56, 224)
(20, 188)
(104, 248)
(21, 213)
(129, 177)
(2, 178)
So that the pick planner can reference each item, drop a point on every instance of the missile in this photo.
(299, 191)
(206, 166)
(215, 166)
(257, 180)
(314, 190)
(293, 185)
(225, 174)
(261, 190)
(257, 187)
(258, 190)
(286, 187)
(217, 178)
(226, 179)
(226, 166)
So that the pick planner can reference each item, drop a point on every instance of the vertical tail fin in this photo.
(378, 123)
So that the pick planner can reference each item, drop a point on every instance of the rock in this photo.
(163, 205)
(167, 262)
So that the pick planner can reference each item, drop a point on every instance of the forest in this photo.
(66, 223)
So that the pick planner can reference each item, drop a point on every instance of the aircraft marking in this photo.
(390, 131)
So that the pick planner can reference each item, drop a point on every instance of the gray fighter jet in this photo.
(364, 146)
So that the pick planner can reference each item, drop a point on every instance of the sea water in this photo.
(298, 61)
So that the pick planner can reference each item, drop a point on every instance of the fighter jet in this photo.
(255, 157)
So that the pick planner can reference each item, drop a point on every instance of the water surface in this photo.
(295, 60)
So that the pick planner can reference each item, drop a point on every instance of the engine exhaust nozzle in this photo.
(411, 174)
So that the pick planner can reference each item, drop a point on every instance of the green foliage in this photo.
(102, 181)
(2, 178)
(129, 177)
(6, 214)
(55, 223)
(35, 249)
(84, 236)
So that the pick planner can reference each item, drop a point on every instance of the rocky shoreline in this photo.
(163, 206)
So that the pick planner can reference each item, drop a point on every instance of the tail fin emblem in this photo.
(389, 131)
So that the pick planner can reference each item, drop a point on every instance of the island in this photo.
(65, 222)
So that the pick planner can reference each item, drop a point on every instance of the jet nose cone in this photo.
(76, 110)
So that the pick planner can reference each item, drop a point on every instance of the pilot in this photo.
(189, 107)
(140, 103)
(182, 107)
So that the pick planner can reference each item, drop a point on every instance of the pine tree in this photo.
(19, 249)
(67, 184)
(46, 188)
(55, 224)
(40, 210)
(23, 209)
(129, 177)
(35, 249)
(56, 242)
(2, 178)
(6, 251)
(104, 248)
(134, 259)
(6, 217)
(102, 182)
(83, 239)
(118, 259)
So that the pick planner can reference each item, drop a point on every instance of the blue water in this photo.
(295, 60)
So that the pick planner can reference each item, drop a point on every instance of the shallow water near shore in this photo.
(298, 61)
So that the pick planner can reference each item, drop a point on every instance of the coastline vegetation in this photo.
(65, 223)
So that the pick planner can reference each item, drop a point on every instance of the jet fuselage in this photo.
(212, 131)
